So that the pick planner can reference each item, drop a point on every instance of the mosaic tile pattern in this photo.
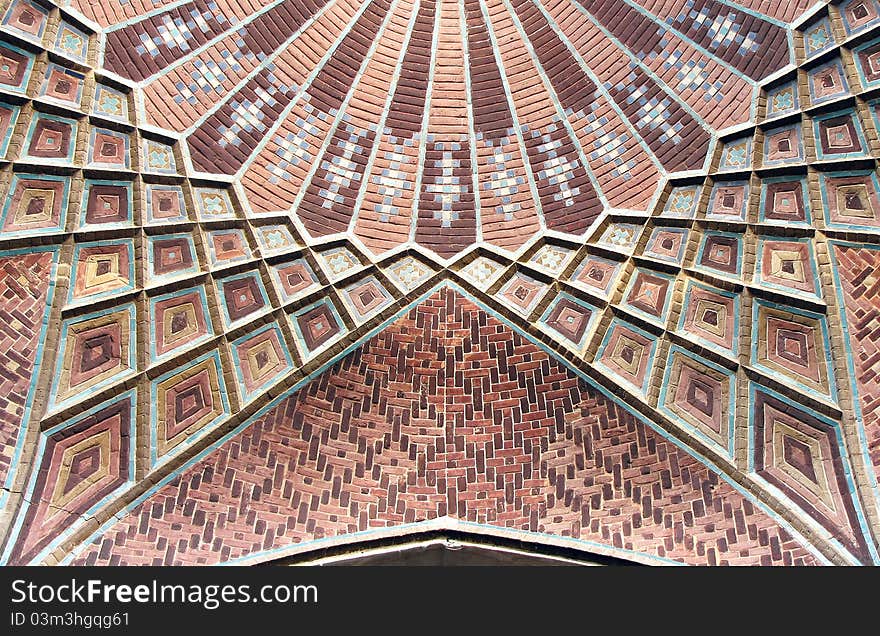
(436, 257)
(570, 462)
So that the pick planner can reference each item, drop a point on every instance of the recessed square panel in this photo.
(101, 269)
(850, 199)
(293, 279)
(243, 297)
(51, 138)
(26, 19)
(522, 293)
(165, 204)
(170, 256)
(106, 204)
(62, 85)
(597, 274)
(36, 204)
(317, 327)
(785, 200)
(729, 201)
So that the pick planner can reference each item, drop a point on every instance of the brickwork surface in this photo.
(860, 280)
(24, 285)
(446, 412)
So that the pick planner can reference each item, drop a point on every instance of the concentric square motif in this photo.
(850, 199)
(737, 155)
(597, 275)
(261, 358)
(792, 345)
(165, 204)
(317, 327)
(667, 244)
(80, 465)
(627, 354)
(37, 204)
(15, 68)
(101, 269)
(109, 149)
(26, 19)
(482, 272)
(801, 453)
(620, 237)
(839, 136)
(158, 157)
(700, 396)
(186, 403)
(274, 239)
(72, 42)
(787, 265)
(551, 258)
(569, 320)
(179, 320)
(243, 298)
(682, 202)
(827, 82)
(62, 85)
(8, 118)
(783, 146)
(110, 103)
(339, 263)
(522, 293)
(96, 350)
(782, 100)
(729, 201)
(293, 279)
(365, 299)
(818, 37)
(648, 295)
(785, 200)
(408, 273)
(721, 252)
(858, 15)
(867, 58)
(226, 247)
(711, 317)
(106, 204)
(213, 204)
(51, 138)
(170, 256)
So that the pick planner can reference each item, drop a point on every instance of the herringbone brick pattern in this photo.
(24, 283)
(859, 270)
(446, 412)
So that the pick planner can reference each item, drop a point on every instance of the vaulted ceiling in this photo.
(281, 273)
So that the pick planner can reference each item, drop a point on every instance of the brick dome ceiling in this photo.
(444, 123)
(601, 274)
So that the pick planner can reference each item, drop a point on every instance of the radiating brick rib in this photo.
(709, 87)
(224, 141)
(567, 199)
(384, 216)
(785, 11)
(110, 13)
(624, 166)
(859, 274)
(446, 412)
(726, 32)
(509, 214)
(674, 136)
(24, 289)
(197, 85)
(446, 219)
(146, 47)
(330, 196)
